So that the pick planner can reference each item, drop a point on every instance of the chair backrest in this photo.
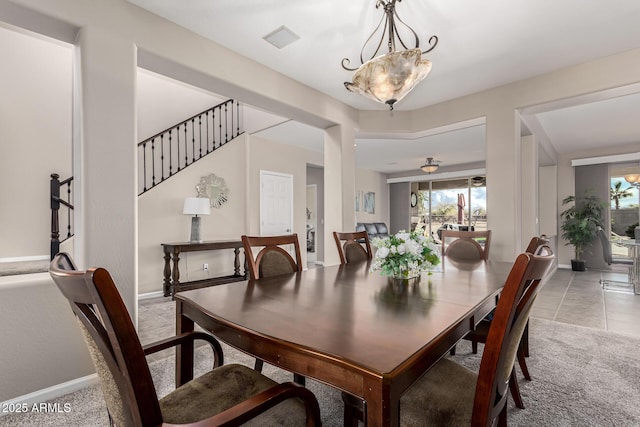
(606, 246)
(505, 333)
(112, 341)
(466, 246)
(271, 260)
(536, 243)
(356, 246)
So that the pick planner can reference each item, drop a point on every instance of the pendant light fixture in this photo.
(388, 78)
(431, 165)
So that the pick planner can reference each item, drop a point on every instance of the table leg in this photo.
(381, 408)
(175, 275)
(166, 285)
(184, 353)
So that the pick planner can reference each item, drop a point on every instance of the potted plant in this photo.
(580, 223)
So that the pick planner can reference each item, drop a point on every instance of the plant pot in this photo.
(577, 265)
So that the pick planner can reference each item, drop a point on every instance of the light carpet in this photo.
(581, 377)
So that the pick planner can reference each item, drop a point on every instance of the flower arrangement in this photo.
(404, 255)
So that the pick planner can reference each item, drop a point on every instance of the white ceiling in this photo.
(481, 45)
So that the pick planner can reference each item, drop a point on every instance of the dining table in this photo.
(346, 326)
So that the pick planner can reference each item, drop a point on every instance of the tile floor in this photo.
(578, 298)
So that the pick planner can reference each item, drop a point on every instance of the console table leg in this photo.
(175, 276)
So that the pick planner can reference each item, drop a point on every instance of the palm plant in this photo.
(618, 193)
(580, 222)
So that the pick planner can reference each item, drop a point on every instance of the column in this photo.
(105, 157)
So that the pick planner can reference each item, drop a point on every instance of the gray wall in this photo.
(399, 206)
(595, 179)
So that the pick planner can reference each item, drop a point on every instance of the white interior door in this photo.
(276, 203)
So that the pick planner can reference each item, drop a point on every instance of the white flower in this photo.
(382, 252)
(402, 235)
(401, 248)
(394, 249)
(413, 247)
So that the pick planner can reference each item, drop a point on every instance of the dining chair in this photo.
(226, 395)
(480, 334)
(610, 259)
(465, 245)
(272, 260)
(537, 246)
(356, 246)
(452, 395)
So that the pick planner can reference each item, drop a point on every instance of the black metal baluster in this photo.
(226, 124)
(153, 162)
(170, 155)
(186, 147)
(144, 167)
(69, 233)
(193, 140)
(200, 134)
(162, 156)
(206, 120)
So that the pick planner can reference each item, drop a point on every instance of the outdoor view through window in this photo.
(459, 204)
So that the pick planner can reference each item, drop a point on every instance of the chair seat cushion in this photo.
(442, 397)
(222, 388)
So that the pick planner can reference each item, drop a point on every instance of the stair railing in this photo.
(168, 152)
(56, 203)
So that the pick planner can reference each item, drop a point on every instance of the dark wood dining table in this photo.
(346, 326)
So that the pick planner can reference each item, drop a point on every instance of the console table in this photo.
(172, 253)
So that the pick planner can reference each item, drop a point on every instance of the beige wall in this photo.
(42, 344)
(35, 138)
(372, 181)
(266, 155)
(162, 221)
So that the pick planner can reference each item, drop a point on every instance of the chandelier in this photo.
(388, 78)
(430, 166)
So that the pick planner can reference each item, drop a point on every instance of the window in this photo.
(457, 204)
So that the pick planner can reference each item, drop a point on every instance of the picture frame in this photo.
(369, 202)
(358, 200)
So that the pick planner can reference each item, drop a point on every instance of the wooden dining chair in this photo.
(466, 245)
(537, 245)
(353, 246)
(227, 395)
(272, 260)
(452, 395)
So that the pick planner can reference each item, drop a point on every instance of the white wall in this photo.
(35, 137)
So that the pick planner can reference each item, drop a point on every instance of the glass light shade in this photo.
(429, 168)
(389, 78)
(632, 178)
(196, 206)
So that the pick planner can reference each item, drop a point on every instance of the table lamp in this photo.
(196, 206)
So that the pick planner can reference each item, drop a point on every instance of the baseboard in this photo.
(149, 295)
(564, 266)
(49, 393)
(321, 263)
(26, 258)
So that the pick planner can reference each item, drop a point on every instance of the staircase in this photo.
(159, 158)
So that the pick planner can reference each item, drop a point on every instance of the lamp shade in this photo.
(196, 206)
(632, 178)
(430, 166)
(388, 78)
